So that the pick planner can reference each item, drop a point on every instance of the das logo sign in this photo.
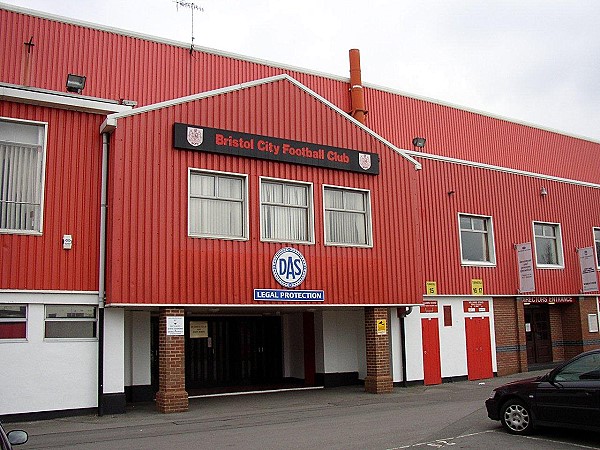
(289, 267)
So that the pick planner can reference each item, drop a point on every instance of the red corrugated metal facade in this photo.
(151, 259)
(513, 202)
(72, 197)
(118, 67)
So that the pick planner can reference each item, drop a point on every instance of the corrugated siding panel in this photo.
(71, 206)
(514, 202)
(151, 258)
(464, 135)
(118, 67)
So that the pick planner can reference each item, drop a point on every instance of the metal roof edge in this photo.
(59, 100)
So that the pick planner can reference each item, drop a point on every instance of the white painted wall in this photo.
(293, 345)
(40, 374)
(114, 350)
(414, 346)
(343, 342)
(137, 348)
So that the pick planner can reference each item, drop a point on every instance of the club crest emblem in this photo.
(364, 161)
(195, 136)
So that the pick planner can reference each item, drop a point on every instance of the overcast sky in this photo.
(536, 61)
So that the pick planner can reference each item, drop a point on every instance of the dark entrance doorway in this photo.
(233, 352)
(537, 332)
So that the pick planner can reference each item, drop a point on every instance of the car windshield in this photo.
(585, 368)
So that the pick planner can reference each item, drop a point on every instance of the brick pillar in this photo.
(171, 396)
(379, 379)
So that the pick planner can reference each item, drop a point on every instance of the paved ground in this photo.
(448, 415)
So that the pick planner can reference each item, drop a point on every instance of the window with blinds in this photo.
(22, 160)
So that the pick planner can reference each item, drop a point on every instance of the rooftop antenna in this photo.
(193, 7)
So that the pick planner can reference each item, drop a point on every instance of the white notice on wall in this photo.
(587, 261)
(524, 255)
(175, 326)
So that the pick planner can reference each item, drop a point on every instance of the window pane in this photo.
(334, 199)
(71, 329)
(465, 222)
(296, 195)
(13, 311)
(13, 330)
(217, 218)
(202, 185)
(546, 251)
(287, 224)
(70, 312)
(230, 188)
(597, 234)
(21, 175)
(272, 193)
(346, 228)
(354, 201)
(549, 230)
(538, 229)
(474, 246)
(479, 224)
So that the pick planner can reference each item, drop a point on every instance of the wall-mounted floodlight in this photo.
(543, 191)
(75, 83)
(419, 142)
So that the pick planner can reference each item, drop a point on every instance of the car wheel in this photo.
(516, 417)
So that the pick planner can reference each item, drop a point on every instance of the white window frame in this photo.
(16, 320)
(71, 319)
(309, 208)
(37, 231)
(369, 217)
(597, 245)
(245, 207)
(490, 240)
(559, 246)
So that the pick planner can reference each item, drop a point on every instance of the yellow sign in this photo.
(382, 327)
(431, 287)
(476, 286)
(199, 329)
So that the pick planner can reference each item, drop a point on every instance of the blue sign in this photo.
(289, 267)
(283, 295)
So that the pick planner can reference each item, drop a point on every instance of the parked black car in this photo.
(15, 437)
(568, 396)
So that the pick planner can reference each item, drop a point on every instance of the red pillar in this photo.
(171, 396)
(379, 379)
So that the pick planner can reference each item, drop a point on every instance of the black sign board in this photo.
(192, 137)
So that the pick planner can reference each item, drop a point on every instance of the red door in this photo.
(432, 368)
(479, 348)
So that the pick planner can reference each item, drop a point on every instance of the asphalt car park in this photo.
(451, 415)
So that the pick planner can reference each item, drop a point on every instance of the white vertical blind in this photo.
(346, 217)
(285, 212)
(21, 176)
(217, 205)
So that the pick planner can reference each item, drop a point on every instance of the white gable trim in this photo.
(111, 120)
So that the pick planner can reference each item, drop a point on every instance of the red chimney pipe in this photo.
(357, 96)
